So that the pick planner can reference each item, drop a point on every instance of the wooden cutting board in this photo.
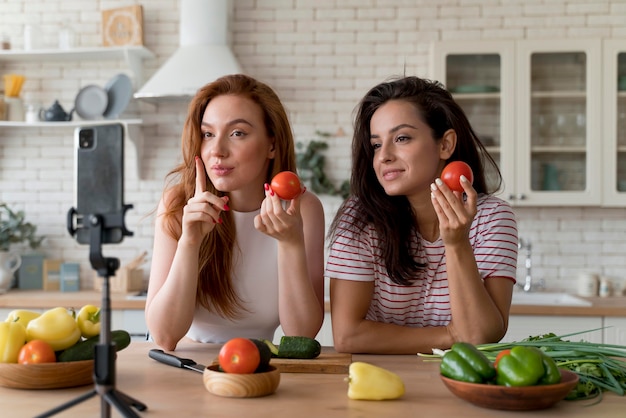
(328, 363)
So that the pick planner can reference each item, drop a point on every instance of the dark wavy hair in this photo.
(392, 216)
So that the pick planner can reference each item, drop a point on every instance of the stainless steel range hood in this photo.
(204, 53)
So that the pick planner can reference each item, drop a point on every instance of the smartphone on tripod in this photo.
(99, 180)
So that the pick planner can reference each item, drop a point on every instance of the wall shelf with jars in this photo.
(132, 55)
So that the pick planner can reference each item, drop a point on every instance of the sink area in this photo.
(548, 299)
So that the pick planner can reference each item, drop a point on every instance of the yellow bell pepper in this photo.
(55, 326)
(22, 316)
(12, 339)
(369, 382)
(88, 320)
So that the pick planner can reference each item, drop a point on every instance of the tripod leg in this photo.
(66, 405)
(113, 397)
(140, 406)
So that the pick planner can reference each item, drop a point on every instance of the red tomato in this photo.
(286, 185)
(451, 175)
(239, 355)
(500, 355)
(36, 351)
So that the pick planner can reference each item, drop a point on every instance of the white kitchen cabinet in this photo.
(131, 320)
(614, 122)
(536, 105)
(524, 326)
(615, 331)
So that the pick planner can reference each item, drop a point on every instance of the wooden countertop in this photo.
(39, 299)
(611, 306)
(168, 391)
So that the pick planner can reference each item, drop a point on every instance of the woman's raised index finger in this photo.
(200, 177)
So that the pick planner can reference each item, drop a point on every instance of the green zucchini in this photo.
(265, 353)
(298, 347)
(85, 349)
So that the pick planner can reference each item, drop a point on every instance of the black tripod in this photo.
(105, 353)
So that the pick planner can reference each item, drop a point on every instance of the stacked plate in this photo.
(94, 102)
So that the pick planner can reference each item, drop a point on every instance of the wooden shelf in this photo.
(70, 124)
(133, 55)
(132, 131)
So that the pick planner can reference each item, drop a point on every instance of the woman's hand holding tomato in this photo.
(36, 351)
(239, 355)
(454, 211)
(286, 185)
(283, 224)
(451, 175)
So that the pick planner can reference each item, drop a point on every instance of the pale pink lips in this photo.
(221, 170)
(391, 174)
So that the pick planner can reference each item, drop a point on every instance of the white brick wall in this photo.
(321, 56)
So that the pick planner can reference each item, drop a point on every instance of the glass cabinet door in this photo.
(614, 122)
(480, 78)
(558, 110)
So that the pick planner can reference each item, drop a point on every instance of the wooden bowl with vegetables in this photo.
(521, 378)
(521, 398)
(243, 370)
(237, 385)
(46, 375)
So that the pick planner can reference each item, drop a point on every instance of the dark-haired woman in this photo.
(229, 260)
(414, 265)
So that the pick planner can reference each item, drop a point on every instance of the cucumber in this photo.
(85, 349)
(272, 347)
(266, 355)
(298, 347)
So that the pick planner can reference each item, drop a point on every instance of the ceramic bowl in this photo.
(46, 375)
(232, 385)
(524, 398)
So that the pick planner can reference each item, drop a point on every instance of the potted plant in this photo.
(13, 230)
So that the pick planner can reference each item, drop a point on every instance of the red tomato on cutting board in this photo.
(286, 185)
(239, 355)
(451, 175)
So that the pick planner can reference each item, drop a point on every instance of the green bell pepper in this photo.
(552, 372)
(527, 366)
(466, 363)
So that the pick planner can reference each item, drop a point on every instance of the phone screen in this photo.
(99, 179)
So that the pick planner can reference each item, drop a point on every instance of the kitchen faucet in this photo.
(526, 245)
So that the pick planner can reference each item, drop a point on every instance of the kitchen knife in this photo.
(172, 360)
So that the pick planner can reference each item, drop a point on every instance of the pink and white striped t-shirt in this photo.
(356, 255)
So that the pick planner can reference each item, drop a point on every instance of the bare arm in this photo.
(480, 311)
(299, 230)
(171, 300)
(352, 333)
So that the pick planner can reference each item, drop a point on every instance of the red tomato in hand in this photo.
(239, 355)
(451, 175)
(36, 351)
(286, 185)
(500, 355)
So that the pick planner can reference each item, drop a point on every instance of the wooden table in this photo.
(172, 392)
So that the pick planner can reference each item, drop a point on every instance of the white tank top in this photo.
(255, 277)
